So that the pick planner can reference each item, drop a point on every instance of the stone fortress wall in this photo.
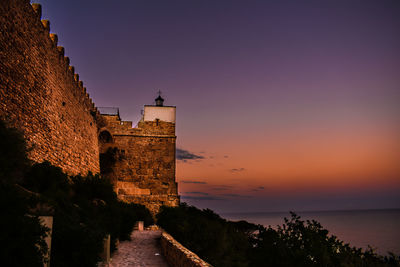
(41, 95)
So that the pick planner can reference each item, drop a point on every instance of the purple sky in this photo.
(279, 95)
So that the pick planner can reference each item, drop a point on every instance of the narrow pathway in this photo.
(143, 250)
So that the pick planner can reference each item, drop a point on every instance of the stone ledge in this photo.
(179, 256)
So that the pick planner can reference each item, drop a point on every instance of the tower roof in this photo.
(159, 100)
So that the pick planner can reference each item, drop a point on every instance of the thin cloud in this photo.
(222, 187)
(185, 155)
(235, 170)
(197, 193)
(201, 197)
(192, 182)
(236, 196)
(260, 188)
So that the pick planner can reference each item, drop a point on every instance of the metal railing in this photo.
(108, 111)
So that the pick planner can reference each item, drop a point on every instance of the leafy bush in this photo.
(86, 210)
(207, 234)
(307, 243)
(77, 234)
(295, 243)
(21, 235)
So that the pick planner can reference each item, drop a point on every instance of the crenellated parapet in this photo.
(156, 128)
(38, 9)
(63, 60)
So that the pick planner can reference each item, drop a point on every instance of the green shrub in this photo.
(77, 239)
(86, 209)
(49, 181)
(307, 243)
(295, 243)
(21, 235)
(204, 232)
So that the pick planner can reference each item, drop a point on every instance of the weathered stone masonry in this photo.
(144, 171)
(41, 95)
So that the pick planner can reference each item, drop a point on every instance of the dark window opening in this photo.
(105, 137)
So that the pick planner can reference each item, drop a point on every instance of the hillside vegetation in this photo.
(295, 243)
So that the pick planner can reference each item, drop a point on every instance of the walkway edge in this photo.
(177, 255)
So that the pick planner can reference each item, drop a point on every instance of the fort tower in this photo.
(141, 160)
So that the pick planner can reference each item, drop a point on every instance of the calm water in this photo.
(377, 228)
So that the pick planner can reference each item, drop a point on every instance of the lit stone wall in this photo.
(144, 169)
(40, 93)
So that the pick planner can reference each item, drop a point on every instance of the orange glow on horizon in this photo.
(336, 160)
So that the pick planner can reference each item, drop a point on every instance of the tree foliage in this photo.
(207, 234)
(21, 235)
(295, 243)
(86, 209)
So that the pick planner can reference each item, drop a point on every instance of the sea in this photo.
(379, 229)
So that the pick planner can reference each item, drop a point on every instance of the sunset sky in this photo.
(281, 105)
